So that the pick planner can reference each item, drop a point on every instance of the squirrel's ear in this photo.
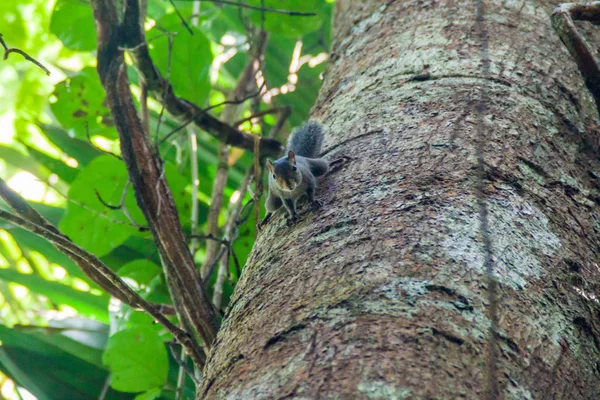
(292, 156)
(270, 165)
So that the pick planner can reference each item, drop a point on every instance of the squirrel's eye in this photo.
(273, 176)
(294, 168)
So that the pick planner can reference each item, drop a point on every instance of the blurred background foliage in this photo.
(61, 337)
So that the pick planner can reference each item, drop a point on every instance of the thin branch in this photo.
(87, 208)
(181, 18)
(195, 187)
(182, 364)
(8, 51)
(201, 112)
(274, 110)
(91, 265)
(562, 21)
(145, 167)
(122, 208)
(166, 86)
(134, 39)
(89, 139)
(258, 8)
(245, 87)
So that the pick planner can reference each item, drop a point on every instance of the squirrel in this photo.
(293, 175)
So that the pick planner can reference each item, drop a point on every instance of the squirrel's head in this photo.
(284, 171)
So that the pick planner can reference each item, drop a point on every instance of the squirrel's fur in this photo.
(294, 174)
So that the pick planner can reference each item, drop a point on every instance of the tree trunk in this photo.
(456, 254)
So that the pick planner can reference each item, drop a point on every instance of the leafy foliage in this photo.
(55, 133)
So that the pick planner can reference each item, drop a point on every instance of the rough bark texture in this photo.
(469, 131)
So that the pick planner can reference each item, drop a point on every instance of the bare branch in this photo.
(91, 265)
(145, 168)
(245, 86)
(8, 51)
(562, 22)
(273, 10)
(134, 41)
(185, 24)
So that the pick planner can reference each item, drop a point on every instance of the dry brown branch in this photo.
(91, 265)
(245, 86)
(8, 51)
(562, 21)
(145, 168)
(134, 40)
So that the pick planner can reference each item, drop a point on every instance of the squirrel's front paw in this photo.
(291, 220)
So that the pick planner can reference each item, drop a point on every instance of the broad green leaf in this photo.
(52, 377)
(85, 303)
(73, 23)
(137, 359)
(80, 150)
(191, 59)
(80, 337)
(23, 162)
(30, 241)
(79, 106)
(289, 25)
(97, 228)
(149, 395)
(145, 278)
(62, 170)
(139, 274)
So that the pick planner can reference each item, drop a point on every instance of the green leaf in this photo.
(73, 23)
(149, 395)
(29, 241)
(183, 199)
(80, 337)
(141, 272)
(94, 227)
(145, 278)
(62, 170)
(85, 303)
(80, 150)
(288, 25)
(79, 106)
(191, 59)
(137, 359)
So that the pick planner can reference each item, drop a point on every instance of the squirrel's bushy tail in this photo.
(306, 141)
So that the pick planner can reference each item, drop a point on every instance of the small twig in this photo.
(182, 19)
(105, 387)
(122, 208)
(144, 107)
(104, 203)
(210, 268)
(210, 237)
(274, 110)
(195, 187)
(8, 50)
(273, 10)
(257, 183)
(181, 363)
(89, 139)
(99, 214)
(204, 111)
(166, 86)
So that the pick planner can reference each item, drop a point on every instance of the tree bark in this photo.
(457, 251)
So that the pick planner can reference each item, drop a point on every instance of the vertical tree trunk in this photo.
(456, 254)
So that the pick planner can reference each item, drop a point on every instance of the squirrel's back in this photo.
(306, 141)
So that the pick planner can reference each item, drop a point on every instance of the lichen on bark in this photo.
(383, 292)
